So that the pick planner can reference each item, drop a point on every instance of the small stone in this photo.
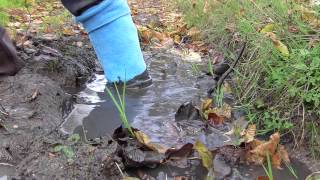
(15, 126)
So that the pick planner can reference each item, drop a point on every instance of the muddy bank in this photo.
(34, 104)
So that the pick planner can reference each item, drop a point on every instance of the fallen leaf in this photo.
(205, 155)
(68, 32)
(282, 48)
(206, 104)
(263, 178)
(257, 151)
(215, 119)
(269, 147)
(224, 111)
(250, 133)
(267, 28)
(181, 153)
(145, 140)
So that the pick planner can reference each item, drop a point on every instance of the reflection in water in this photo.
(150, 110)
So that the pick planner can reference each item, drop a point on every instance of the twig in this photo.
(122, 174)
(226, 74)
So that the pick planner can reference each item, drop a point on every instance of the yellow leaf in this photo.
(250, 133)
(144, 139)
(267, 28)
(205, 155)
(282, 48)
(206, 104)
(224, 111)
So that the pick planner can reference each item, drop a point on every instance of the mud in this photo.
(33, 106)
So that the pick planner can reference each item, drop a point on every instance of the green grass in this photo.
(268, 170)
(120, 105)
(5, 4)
(278, 93)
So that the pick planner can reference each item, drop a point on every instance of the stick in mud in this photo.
(226, 74)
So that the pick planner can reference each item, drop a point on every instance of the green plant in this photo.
(121, 106)
(292, 171)
(314, 139)
(195, 69)
(273, 122)
(210, 67)
(287, 86)
(218, 96)
(268, 169)
(5, 4)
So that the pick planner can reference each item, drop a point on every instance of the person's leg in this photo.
(77, 7)
(9, 61)
(115, 40)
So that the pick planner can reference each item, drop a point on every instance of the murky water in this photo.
(6, 170)
(152, 110)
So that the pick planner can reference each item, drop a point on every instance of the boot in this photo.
(115, 40)
(10, 64)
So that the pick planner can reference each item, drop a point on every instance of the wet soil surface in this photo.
(60, 92)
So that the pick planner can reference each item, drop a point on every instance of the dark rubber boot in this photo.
(9, 61)
(77, 7)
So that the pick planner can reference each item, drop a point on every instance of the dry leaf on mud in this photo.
(262, 178)
(215, 119)
(205, 155)
(145, 140)
(259, 150)
(206, 104)
(224, 111)
(250, 133)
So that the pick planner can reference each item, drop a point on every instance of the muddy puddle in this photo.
(152, 110)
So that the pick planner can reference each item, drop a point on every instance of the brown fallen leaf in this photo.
(224, 111)
(181, 153)
(257, 151)
(250, 133)
(269, 147)
(215, 119)
(145, 140)
(263, 178)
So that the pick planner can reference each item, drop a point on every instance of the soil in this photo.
(34, 103)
